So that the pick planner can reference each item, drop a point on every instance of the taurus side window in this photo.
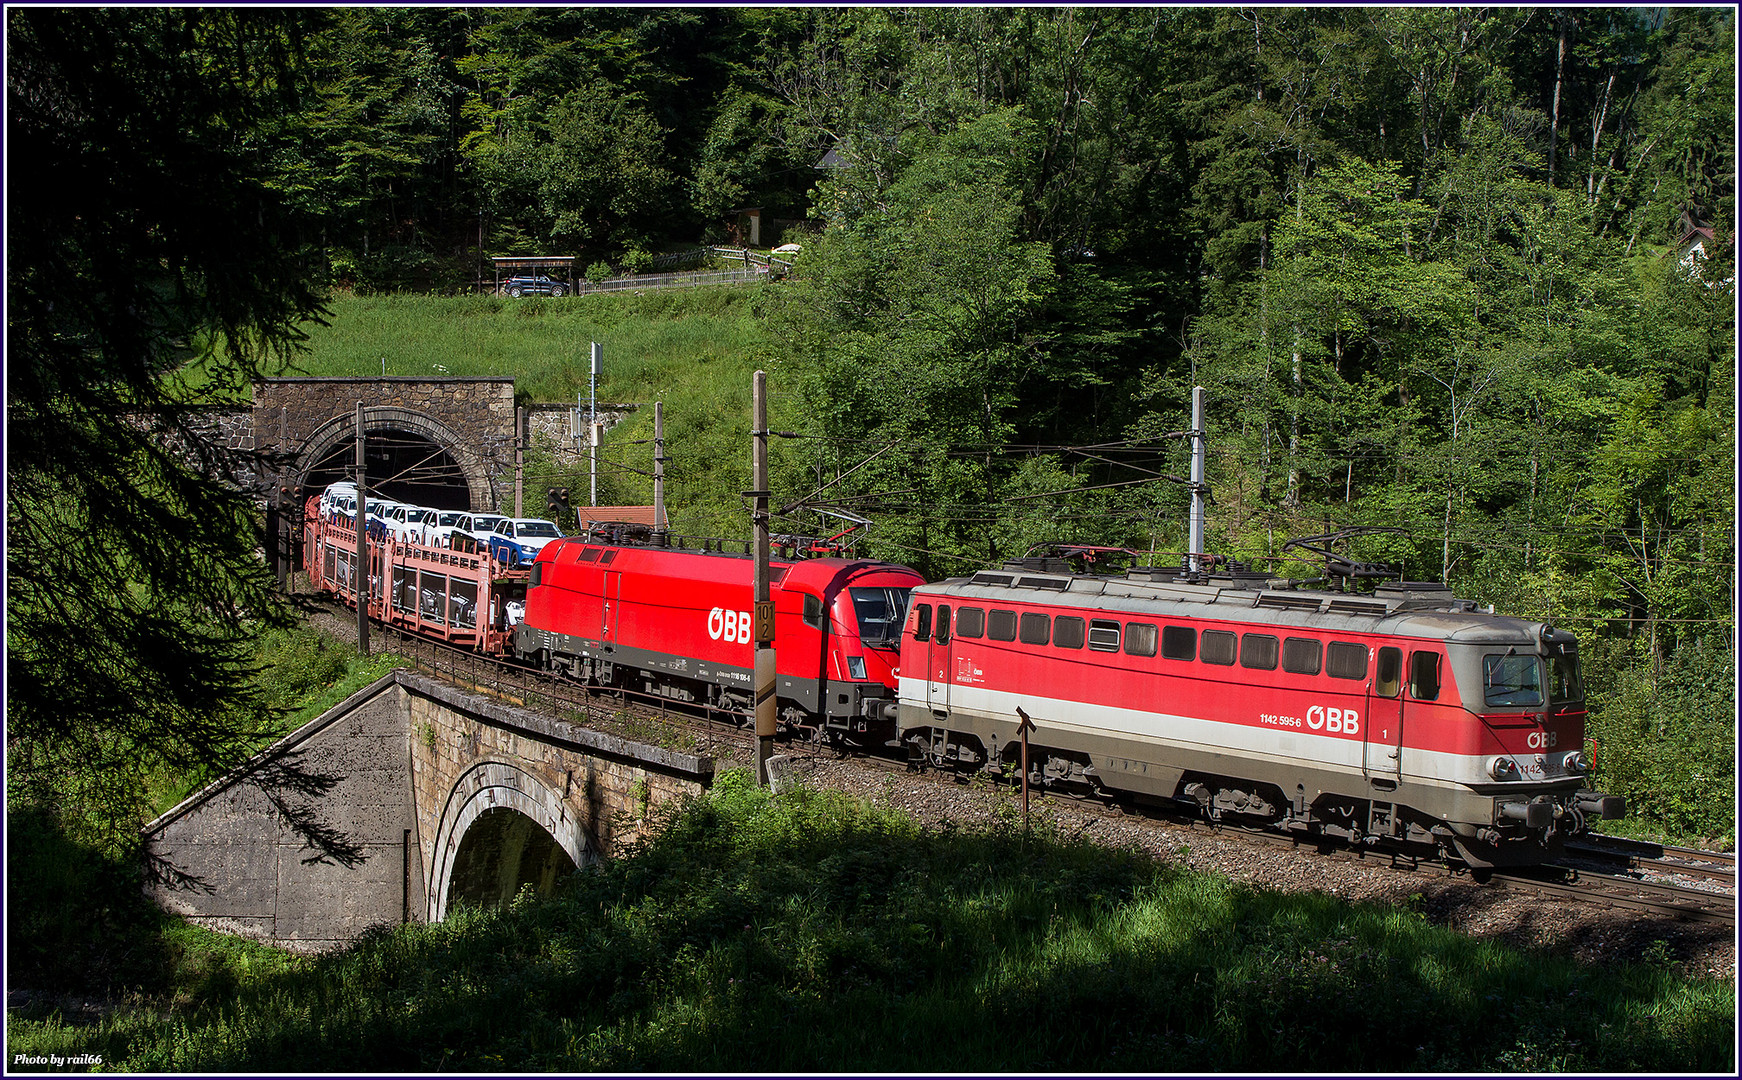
(1346, 661)
(1217, 647)
(1001, 625)
(1068, 631)
(1258, 651)
(1424, 676)
(1300, 655)
(1388, 677)
(922, 623)
(971, 622)
(813, 611)
(1140, 638)
(1179, 643)
(1103, 635)
(1036, 628)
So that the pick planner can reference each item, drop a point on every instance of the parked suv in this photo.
(534, 286)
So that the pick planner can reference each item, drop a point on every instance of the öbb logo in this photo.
(1334, 721)
(730, 625)
(1541, 740)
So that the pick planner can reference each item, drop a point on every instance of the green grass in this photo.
(812, 933)
(651, 341)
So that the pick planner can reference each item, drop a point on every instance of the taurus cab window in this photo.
(879, 611)
(1509, 681)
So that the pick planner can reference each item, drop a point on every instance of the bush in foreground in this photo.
(807, 932)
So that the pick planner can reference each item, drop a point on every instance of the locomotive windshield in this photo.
(1511, 680)
(880, 611)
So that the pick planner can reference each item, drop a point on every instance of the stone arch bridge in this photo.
(423, 797)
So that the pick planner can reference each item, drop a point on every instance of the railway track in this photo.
(1609, 871)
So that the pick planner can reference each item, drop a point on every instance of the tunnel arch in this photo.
(502, 828)
(398, 441)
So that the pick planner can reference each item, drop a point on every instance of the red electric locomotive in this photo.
(1403, 716)
(677, 623)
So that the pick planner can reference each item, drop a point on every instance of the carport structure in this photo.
(507, 266)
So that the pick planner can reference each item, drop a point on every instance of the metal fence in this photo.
(676, 280)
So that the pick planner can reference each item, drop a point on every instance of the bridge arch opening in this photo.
(502, 852)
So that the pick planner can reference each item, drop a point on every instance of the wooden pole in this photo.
(281, 541)
(360, 571)
(659, 531)
(763, 620)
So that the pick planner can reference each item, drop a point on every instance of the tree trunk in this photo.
(1554, 122)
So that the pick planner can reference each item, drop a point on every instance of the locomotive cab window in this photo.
(1001, 625)
(1388, 676)
(971, 622)
(1036, 628)
(879, 611)
(1103, 635)
(813, 611)
(1068, 631)
(1140, 638)
(922, 623)
(1258, 651)
(1511, 681)
(1218, 647)
(1563, 680)
(1424, 676)
(1179, 643)
(1300, 655)
(942, 637)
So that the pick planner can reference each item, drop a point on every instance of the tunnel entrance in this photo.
(402, 466)
(502, 852)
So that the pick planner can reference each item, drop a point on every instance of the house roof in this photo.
(636, 515)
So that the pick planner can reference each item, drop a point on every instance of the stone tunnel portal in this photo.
(403, 466)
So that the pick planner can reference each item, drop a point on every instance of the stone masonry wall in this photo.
(608, 788)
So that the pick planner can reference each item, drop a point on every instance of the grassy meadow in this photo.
(807, 932)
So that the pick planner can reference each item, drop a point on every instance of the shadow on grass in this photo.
(808, 933)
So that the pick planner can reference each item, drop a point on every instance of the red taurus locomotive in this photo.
(670, 622)
(677, 623)
(1403, 716)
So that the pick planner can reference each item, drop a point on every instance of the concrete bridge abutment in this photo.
(426, 797)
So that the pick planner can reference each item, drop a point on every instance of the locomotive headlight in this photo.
(1503, 768)
(855, 667)
(1574, 762)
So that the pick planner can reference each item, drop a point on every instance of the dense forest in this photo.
(1466, 275)
(1431, 264)
(1428, 262)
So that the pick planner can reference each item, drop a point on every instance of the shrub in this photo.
(1667, 743)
